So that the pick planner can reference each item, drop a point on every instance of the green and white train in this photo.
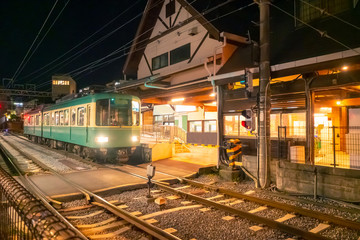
(103, 126)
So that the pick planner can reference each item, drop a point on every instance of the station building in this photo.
(194, 55)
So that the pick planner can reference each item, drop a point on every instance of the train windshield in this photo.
(117, 112)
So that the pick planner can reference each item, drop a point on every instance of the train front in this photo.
(117, 131)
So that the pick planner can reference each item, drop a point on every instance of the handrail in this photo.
(163, 133)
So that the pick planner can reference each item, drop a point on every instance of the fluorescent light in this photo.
(214, 103)
(338, 102)
(344, 68)
(212, 95)
(177, 99)
(185, 108)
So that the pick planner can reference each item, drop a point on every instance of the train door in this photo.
(88, 118)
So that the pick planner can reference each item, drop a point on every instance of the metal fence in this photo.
(163, 133)
(22, 216)
(334, 146)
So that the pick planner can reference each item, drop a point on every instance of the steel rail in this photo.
(39, 194)
(139, 223)
(283, 206)
(287, 207)
(247, 215)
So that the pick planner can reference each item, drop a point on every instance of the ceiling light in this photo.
(212, 95)
(344, 68)
(338, 102)
(177, 99)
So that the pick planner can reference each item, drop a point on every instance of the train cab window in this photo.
(135, 113)
(66, 117)
(61, 113)
(73, 117)
(114, 112)
(81, 116)
(57, 120)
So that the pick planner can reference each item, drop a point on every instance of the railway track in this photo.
(231, 202)
(119, 220)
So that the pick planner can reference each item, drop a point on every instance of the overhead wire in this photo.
(38, 34)
(37, 46)
(203, 13)
(322, 33)
(82, 51)
(323, 11)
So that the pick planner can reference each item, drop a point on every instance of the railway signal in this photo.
(249, 122)
(247, 80)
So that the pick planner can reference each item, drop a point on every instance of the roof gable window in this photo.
(180, 54)
(170, 8)
(160, 61)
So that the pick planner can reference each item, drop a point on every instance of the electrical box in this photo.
(150, 171)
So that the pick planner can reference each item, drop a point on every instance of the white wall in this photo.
(174, 40)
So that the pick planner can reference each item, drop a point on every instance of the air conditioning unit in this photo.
(193, 31)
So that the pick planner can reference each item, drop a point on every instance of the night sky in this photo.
(21, 21)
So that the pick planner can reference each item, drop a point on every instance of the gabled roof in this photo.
(148, 22)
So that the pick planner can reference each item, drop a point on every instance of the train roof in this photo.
(87, 99)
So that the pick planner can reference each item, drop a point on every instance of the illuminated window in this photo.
(61, 118)
(73, 117)
(61, 82)
(46, 119)
(37, 120)
(57, 120)
(66, 117)
(231, 127)
(210, 126)
(195, 126)
(81, 116)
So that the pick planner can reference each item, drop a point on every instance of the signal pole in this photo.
(264, 148)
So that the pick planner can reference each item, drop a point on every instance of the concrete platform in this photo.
(106, 179)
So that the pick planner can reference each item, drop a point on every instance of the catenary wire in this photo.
(323, 11)
(37, 46)
(38, 34)
(100, 29)
(322, 33)
(82, 51)
(121, 48)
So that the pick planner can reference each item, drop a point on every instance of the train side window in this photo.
(81, 116)
(37, 120)
(73, 117)
(52, 118)
(57, 118)
(32, 120)
(46, 119)
(66, 117)
(61, 113)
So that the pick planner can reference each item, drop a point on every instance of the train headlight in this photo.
(101, 139)
(135, 138)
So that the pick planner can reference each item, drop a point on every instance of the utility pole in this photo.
(264, 148)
